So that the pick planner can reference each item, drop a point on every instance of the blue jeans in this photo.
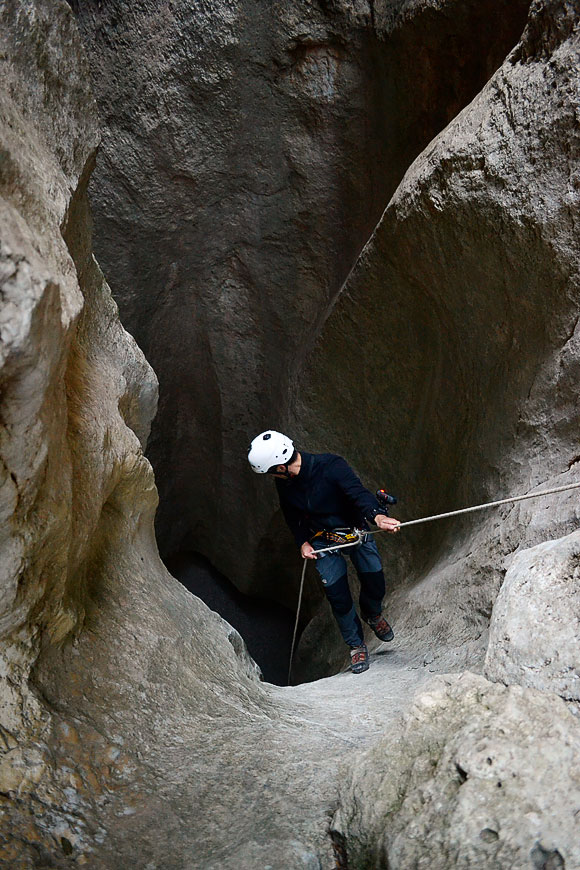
(332, 569)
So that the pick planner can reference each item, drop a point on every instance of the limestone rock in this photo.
(48, 138)
(134, 727)
(77, 496)
(448, 368)
(478, 775)
(535, 626)
(248, 151)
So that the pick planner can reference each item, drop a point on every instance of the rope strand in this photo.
(480, 507)
(297, 617)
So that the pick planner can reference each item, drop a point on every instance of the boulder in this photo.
(534, 637)
(477, 775)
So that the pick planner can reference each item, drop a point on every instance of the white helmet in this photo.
(268, 449)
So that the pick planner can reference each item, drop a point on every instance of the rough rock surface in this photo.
(248, 151)
(471, 284)
(534, 637)
(48, 140)
(134, 727)
(477, 776)
(77, 495)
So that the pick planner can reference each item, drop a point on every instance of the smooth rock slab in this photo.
(535, 626)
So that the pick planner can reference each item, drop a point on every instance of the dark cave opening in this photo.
(266, 626)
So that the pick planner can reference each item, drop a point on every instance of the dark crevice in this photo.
(265, 626)
(363, 101)
(546, 859)
(339, 849)
(372, 13)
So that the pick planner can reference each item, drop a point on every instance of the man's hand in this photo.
(389, 524)
(307, 551)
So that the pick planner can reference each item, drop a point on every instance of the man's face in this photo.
(280, 472)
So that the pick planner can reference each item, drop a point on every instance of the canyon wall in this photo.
(248, 153)
(77, 494)
(473, 276)
(134, 726)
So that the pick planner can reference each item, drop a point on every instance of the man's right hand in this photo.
(307, 551)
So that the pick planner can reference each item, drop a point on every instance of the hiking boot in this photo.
(380, 626)
(359, 659)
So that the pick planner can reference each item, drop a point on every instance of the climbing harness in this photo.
(350, 537)
(359, 536)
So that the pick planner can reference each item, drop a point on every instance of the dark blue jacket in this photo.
(326, 494)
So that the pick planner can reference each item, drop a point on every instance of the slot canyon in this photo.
(354, 221)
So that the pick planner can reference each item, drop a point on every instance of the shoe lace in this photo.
(358, 655)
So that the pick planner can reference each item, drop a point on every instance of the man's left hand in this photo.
(388, 524)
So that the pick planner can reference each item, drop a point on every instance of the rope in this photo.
(469, 510)
(297, 617)
(480, 507)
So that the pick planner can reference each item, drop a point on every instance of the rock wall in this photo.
(473, 276)
(48, 144)
(248, 153)
(461, 783)
(77, 494)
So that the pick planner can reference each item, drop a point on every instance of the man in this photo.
(320, 493)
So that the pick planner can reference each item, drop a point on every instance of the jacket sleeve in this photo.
(294, 519)
(353, 489)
